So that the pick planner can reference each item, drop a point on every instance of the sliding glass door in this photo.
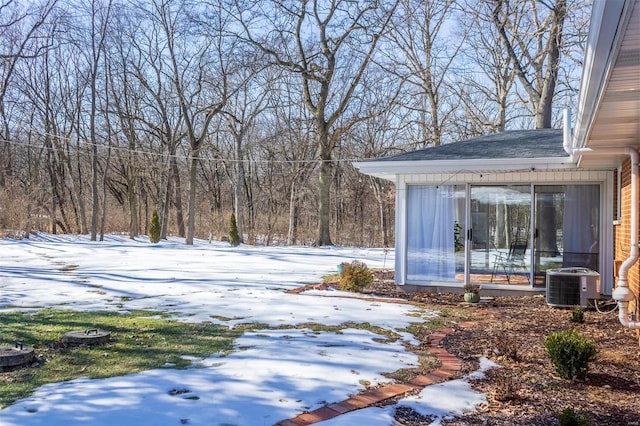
(499, 234)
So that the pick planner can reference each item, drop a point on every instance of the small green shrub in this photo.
(570, 353)
(577, 315)
(234, 236)
(355, 277)
(570, 417)
(154, 227)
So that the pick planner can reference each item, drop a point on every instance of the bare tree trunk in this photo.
(324, 190)
(82, 210)
(238, 188)
(105, 172)
(103, 217)
(94, 152)
(382, 211)
(175, 176)
(193, 180)
(97, 47)
(132, 185)
(94, 179)
(132, 199)
(164, 198)
(294, 211)
(53, 185)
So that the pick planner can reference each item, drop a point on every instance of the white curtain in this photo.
(580, 226)
(430, 233)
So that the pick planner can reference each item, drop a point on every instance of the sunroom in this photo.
(499, 211)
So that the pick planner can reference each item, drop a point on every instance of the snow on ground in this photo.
(273, 374)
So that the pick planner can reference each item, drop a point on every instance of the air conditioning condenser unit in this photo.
(569, 287)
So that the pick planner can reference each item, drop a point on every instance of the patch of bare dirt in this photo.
(525, 390)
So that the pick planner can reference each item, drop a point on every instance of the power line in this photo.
(165, 156)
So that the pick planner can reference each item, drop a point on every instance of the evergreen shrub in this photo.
(570, 417)
(355, 277)
(234, 236)
(570, 353)
(154, 227)
(577, 315)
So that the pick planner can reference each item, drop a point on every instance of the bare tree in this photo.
(317, 41)
(241, 112)
(206, 65)
(531, 32)
(485, 86)
(160, 116)
(44, 89)
(125, 93)
(422, 55)
(20, 29)
(293, 143)
(98, 15)
(383, 134)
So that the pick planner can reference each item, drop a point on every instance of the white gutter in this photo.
(622, 294)
(388, 169)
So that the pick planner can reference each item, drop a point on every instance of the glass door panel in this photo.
(500, 246)
(435, 233)
(566, 228)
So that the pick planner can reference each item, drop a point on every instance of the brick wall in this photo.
(623, 230)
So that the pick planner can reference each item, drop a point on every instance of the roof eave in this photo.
(602, 48)
(390, 169)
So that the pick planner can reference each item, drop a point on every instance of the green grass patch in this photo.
(331, 278)
(139, 341)
(389, 335)
(426, 363)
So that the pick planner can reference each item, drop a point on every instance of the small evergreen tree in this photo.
(154, 227)
(234, 236)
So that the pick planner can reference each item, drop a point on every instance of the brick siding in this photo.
(623, 230)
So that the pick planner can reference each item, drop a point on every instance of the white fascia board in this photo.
(603, 43)
(389, 169)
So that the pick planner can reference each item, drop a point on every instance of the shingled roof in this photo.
(541, 143)
(499, 152)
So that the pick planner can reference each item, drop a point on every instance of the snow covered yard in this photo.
(275, 372)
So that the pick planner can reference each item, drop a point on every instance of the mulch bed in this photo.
(525, 389)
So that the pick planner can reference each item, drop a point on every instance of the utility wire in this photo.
(72, 144)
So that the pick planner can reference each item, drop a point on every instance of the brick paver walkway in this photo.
(449, 367)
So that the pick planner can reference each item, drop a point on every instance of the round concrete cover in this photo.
(86, 337)
(14, 356)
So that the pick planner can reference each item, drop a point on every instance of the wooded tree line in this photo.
(110, 109)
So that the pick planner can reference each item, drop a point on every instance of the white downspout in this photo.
(622, 294)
